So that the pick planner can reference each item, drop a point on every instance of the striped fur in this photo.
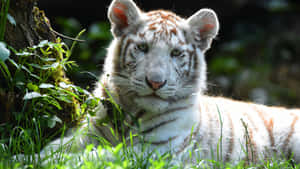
(155, 70)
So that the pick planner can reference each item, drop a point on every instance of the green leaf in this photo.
(31, 95)
(46, 86)
(24, 53)
(36, 66)
(31, 74)
(11, 19)
(70, 93)
(32, 87)
(69, 52)
(4, 52)
(42, 44)
(47, 59)
(3, 14)
(53, 66)
(65, 98)
(14, 63)
(53, 102)
(64, 85)
(52, 121)
(45, 67)
(4, 69)
(79, 89)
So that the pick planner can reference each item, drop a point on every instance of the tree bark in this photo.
(31, 27)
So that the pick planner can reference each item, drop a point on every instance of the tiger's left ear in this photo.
(124, 16)
(204, 27)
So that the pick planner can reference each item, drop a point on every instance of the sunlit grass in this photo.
(120, 156)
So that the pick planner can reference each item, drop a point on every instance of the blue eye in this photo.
(176, 52)
(143, 47)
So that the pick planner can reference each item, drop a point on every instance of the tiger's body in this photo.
(156, 71)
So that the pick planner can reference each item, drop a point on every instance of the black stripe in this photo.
(168, 112)
(102, 132)
(135, 118)
(140, 114)
(231, 139)
(120, 75)
(124, 51)
(188, 140)
(182, 65)
(192, 54)
(131, 55)
(122, 45)
(195, 59)
(178, 72)
(158, 125)
(116, 58)
(194, 77)
(161, 142)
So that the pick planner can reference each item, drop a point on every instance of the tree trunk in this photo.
(31, 27)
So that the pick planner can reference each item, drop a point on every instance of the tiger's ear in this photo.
(123, 15)
(204, 26)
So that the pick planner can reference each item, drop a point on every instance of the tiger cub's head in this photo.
(158, 54)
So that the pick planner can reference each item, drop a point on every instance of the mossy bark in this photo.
(32, 26)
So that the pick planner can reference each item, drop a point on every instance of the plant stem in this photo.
(4, 11)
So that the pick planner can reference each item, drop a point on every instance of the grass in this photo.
(121, 156)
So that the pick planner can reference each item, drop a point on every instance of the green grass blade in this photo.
(75, 42)
(4, 11)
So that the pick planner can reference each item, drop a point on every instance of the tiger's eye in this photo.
(176, 52)
(143, 47)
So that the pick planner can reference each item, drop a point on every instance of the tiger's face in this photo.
(159, 55)
(159, 60)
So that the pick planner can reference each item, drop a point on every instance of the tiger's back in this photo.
(250, 131)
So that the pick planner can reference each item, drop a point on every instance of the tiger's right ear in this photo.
(204, 27)
(124, 15)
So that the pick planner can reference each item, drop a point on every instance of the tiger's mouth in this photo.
(155, 96)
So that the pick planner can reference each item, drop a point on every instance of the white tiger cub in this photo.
(156, 71)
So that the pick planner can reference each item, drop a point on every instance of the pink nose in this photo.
(155, 85)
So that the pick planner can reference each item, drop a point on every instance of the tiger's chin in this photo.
(157, 96)
(152, 101)
(170, 97)
(162, 96)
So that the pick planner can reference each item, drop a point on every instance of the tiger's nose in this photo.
(155, 85)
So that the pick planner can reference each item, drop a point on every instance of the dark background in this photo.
(255, 57)
(92, 10)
